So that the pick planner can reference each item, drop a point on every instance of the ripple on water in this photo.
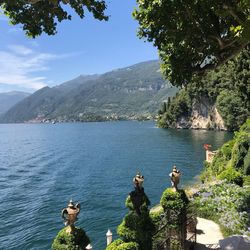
(93, 163)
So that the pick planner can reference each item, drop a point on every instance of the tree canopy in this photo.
(42, 16)
(194, 36)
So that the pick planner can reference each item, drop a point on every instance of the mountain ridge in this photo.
(9, 99)
(125, 93)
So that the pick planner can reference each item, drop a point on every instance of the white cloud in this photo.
(24, 67)
(14, 30)
(19, 49)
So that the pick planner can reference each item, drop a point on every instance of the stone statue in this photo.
(175, 178)
(69, 215)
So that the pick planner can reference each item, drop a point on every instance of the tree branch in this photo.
(232, 13)
(198, 70)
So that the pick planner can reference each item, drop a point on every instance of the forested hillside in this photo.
(220, 100)
(129, 93)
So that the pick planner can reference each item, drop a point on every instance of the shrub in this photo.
(156, 216)
(173, 200)
(226, 149)
(239, 152)
(227, 204)
(246, 169)
(231, 175)
(246, 180)
(76, 241)
(138, 229)
(121, 245)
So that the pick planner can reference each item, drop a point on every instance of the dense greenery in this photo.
(39, 16)
(231, 162)
(193, 36)
(172, 200)
(228, 202)
(78, 240)
(129, 92)
(121, 245)
(227, 88)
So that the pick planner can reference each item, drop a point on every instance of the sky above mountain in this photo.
(85, 46)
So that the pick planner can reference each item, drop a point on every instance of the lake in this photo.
(43, 166)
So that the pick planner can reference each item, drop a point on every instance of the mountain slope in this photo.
(9, 99)
(132, 91)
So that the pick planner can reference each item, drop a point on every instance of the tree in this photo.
(38, 16)
(194, 36)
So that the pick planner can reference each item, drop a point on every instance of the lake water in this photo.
(42, 166)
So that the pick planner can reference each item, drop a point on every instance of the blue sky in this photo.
(85, 46)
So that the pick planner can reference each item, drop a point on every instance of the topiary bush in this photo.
(173, 200)
(78, 240)
(156, 216)
(136, 230)
(121, 245)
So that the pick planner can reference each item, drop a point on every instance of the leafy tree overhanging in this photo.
(42, 16)
(194, 36)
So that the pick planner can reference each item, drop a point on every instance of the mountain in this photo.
(9, 99)
(124, 93)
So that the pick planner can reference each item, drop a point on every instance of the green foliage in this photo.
(246, 180)
(121, 245)
(37, 16)
(173, 200)
(232, 176)
(207, 174)
(232, 160)
(240, 151)
(156, 216)
(229, 104)
(76, 241)
(227, 204)
(180, 106)
(135, 230)
(219, 163)
(194, 38)
(246, 169)
(226, 88)
(226, 149)
(144, 206)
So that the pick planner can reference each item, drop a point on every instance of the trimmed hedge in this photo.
(121, 245)
(173, 200)
(76, 241)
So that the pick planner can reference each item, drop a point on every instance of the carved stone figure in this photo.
(69, 215)
(175, 178)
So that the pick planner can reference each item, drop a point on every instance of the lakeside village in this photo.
(93, 118)
(212, 215)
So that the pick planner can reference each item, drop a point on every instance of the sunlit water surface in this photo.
(42, 166)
